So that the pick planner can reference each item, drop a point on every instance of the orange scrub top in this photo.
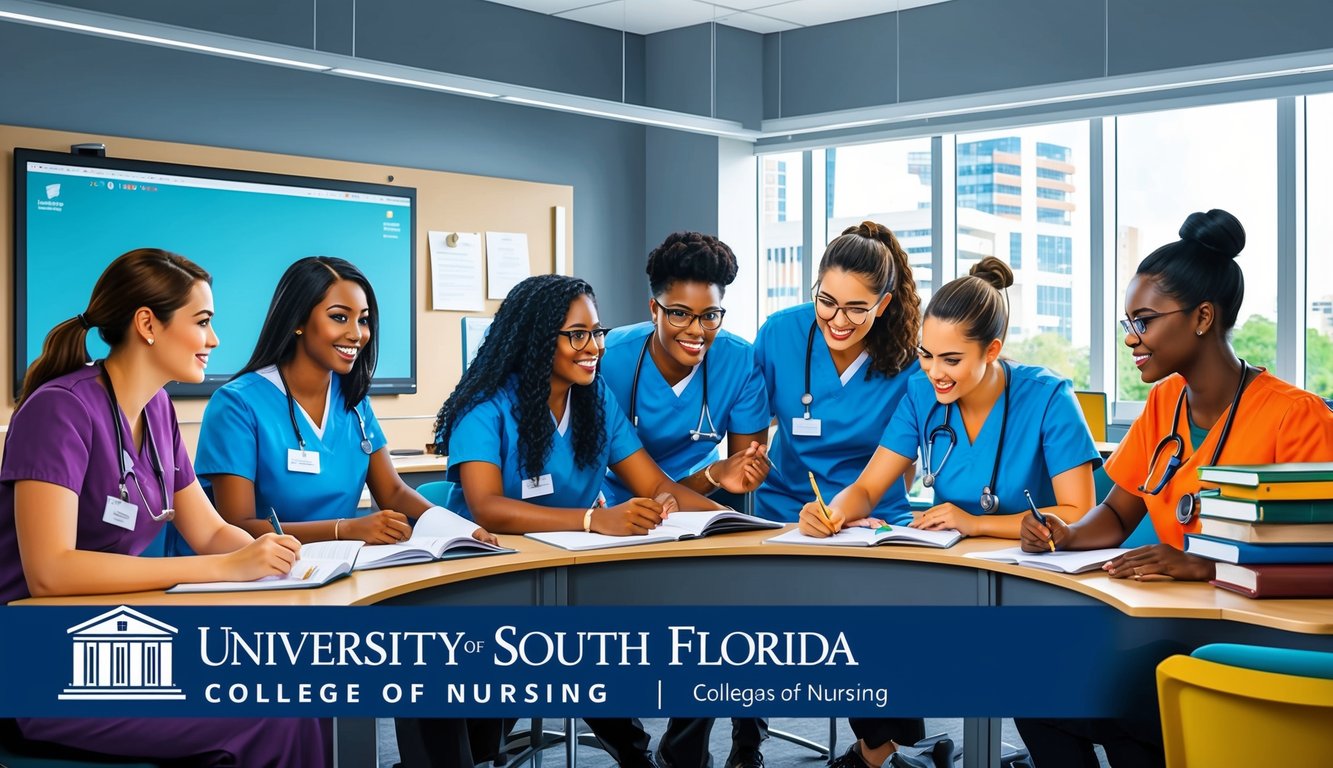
(1275, 423)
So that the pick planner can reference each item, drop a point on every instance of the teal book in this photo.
(1254, 474)
(1241, 553)
(1213, 504)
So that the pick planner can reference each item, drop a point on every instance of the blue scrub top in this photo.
(489, 432)
(1046, 435)
(737, 401)
(247, 431)
(853, 418)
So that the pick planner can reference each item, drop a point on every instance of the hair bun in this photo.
(1215, 230)
(993, 271)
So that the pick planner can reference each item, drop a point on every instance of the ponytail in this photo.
(145, 277)
(872, 251)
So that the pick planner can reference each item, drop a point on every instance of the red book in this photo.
(1277, 580)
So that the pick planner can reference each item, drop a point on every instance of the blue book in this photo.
(1242, 553)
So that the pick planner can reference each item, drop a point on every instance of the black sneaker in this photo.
(900, 760)
(745, 758)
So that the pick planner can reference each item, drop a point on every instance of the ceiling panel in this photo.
(756, 23)
(545, 6)
(644, 17)
(811, 12)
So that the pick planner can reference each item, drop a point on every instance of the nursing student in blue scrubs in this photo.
(294, 432)
(986, 430)
(531, 430)
(687, 384)
(835, 369)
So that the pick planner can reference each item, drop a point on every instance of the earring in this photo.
(1198, 333)
(150, 342)
(298, 331)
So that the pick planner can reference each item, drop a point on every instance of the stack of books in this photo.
(1269, 527)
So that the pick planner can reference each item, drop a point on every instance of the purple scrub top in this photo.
(64, 434)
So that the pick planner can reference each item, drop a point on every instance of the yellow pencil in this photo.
(822, 507)
(309, 571)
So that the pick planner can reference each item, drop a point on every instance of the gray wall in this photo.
(81, 83)
(976, 46)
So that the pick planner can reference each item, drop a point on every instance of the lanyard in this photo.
(698, 432)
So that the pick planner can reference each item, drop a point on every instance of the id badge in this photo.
(120, 513)
(802, 427)
(303, 461)
(538, 486)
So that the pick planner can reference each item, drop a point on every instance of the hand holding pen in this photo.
(817, 518)
(1040, 531)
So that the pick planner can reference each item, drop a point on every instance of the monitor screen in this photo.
(74, 214)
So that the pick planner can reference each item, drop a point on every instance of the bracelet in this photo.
(709, 477)
(336, 523)
(587, 520)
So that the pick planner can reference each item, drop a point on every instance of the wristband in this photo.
(709, 477)
(336, 523)
(587, 520)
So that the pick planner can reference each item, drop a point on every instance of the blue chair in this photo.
(1282, 698)
(1142, 535)
(437, 493)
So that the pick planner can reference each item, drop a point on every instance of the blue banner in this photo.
(566, 662)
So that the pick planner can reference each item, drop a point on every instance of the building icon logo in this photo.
(122, 655)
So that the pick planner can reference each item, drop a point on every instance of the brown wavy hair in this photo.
(872, 252)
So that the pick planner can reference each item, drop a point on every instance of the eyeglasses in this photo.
(1139, 325)
(579, 339)
(679, 318)
(827, 309)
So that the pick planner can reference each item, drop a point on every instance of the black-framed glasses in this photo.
(827, 309)
(1139, 325)
(709, 320)
(580, 338)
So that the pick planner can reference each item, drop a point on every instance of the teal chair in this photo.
(1142, 535)
(438, 493)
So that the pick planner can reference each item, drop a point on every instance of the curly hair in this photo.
(872, 251)
(691, 256)
(520, 345)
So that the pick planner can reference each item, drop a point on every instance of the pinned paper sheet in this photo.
(507, 262)
(455, 271)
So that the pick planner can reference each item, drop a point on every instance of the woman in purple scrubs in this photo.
(94, 466)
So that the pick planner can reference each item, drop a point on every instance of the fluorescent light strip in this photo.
(412, 83)
(163, 41)
(633, 118)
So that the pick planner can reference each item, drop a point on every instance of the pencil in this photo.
(822, 507)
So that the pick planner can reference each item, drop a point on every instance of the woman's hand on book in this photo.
(634, 517)
(383, 527)
(944, 516)
(1160, 562)
(485, 537)
(813, 523)
(1035, 537)
(268, 555)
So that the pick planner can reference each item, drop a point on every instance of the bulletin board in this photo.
(450, 202)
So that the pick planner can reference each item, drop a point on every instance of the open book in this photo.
(1076, 561)
(677, 527)
(864, 536)
(438, 535)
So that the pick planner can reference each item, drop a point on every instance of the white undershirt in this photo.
(679, 387)
(562, 426)
(270, 374)
(854, 367)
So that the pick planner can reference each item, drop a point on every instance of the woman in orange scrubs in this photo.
(1208, 407)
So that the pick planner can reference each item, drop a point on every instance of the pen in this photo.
(273, 521)
(822, 507)
(308, 571)
(1040, 517)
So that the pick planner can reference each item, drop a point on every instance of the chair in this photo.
(1094, 408)
(1282, 700)
(438, 493)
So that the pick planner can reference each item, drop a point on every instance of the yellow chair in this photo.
(1283, 717)
(1094, 410)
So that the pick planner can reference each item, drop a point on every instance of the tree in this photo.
(1053, 352)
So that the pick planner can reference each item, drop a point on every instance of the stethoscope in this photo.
(990, 501)
(698, 432)
(808, 399)
(168, 512)
(1188, 506)
(291, 412)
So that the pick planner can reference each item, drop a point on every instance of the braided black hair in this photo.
(521, 344)
(691, 256)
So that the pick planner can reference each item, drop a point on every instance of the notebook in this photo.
(1268, 533)
(1074, 561)
(678, 526)
(862, 536)
(438, 535)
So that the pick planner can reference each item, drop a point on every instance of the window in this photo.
(781, 196)
(888, 183)
(1215, 157)
(1026, 165)
(1319, 282)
